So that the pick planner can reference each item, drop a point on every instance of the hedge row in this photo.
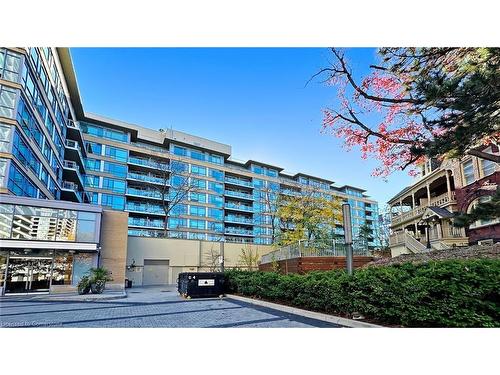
(456, 293)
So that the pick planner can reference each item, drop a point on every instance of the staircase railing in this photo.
(413, 244)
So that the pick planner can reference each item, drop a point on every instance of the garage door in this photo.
(155, 272)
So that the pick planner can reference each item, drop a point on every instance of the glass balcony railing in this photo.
(138, 222)
(238, 231)
(151, 163)
(144, 193)
(146, 178)
(150, 147)
(240, 207)
(239, 219)
(239, 240)
(144, 208)
(68, 164)
(239, 194)
(68, 185)
(237, 181)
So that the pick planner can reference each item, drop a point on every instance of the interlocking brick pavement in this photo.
(151, 307)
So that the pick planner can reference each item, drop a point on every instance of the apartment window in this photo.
(93, 164)
(216, 174)
(480, 222)
(117, 186)
(488, 167)
(197, 224)
(7, 101)
(179, 209)
(258, 183)
(216, 159)
(179, 167)
(178, 181)
(215, 213)
(3, 171)
(217, 187)
(181, 151)
(93, 148)
(116, 202)
(216, 200)
(10, 65)
(98, 131)
(198, 170)
(198, 183)
(25, 155)
(272, 173)
(94, 197)
(216, 227)
(5, 132)
(91, 181)
(174, 223)
(119, 170)
(197, 155)
(257, 169)
(468, 172)
(198, 197)
(197, 211)
(19, 184)
(116, 153)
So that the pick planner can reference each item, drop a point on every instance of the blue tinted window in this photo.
(116, 202)
(117, 186)
(119, 170)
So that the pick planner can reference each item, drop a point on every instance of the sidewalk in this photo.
(73, 297)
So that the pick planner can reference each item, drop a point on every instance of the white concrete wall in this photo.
(183, 255)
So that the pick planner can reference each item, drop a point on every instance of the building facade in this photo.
(422, 214)
(51, 149)
(48, 245)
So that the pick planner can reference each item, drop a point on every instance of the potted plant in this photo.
(98, 278)
(84, 285)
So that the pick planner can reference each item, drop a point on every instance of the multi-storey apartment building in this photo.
(52, 149)
(422, 214)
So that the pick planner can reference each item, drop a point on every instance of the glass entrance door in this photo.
(25, 275)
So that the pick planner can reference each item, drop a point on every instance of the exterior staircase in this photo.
(413, 244)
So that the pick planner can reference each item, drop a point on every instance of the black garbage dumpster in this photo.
(201, 284)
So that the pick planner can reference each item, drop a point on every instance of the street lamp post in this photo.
(346, 216)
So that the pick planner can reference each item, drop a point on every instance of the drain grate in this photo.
(166, 291)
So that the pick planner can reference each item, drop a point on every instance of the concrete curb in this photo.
(72, 297)
(306, 313)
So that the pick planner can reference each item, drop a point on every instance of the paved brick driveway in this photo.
(146, 307)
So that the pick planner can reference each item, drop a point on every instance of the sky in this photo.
(254, 99)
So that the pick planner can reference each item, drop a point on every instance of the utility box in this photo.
(201, 284)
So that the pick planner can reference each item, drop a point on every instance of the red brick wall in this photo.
(467, 195)
(307, 264)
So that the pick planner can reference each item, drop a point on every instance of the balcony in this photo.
(70, 191)
(238, 219)
(237, 181)
(239, 239)
(74, 169)
(75, 152)
(144, 193)
(148, 163)
(144, 223)
(150, 178)
(144, 208)
(149, 147)
(238, 207)
(238, 231)
(238, 194)
(438, 201)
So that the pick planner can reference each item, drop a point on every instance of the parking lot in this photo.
(152, 307)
